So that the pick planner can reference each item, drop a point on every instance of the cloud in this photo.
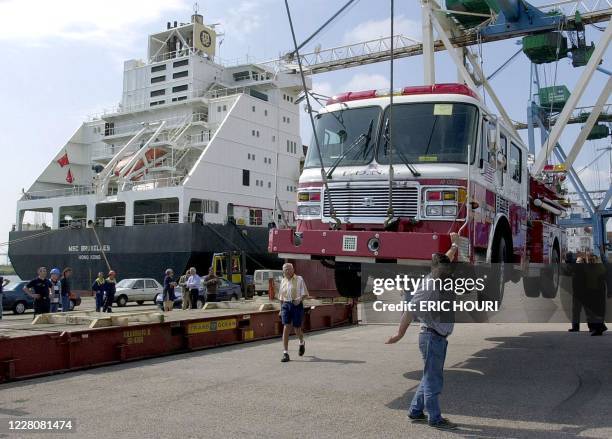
(364, 81)
(108, 22)
(594, 178)
(324, 88)
(241, 20)
(358, 82)
(374, 29)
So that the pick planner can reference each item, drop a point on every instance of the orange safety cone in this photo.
(271, 292)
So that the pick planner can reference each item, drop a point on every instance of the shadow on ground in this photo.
(561, 381)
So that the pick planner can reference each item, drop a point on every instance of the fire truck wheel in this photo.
(499, 259)
(550, 276)
(531, 285)
(348, 282)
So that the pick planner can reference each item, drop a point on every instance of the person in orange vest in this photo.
(291, 294)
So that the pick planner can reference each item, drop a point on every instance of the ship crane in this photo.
(506, 19)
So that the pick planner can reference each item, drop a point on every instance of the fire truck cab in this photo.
(455, 167)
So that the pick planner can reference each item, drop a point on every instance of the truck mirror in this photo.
(492, 138)
(501, 159)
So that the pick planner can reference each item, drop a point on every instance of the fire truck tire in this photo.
(550, 276)
(348, 282)
(499, 259)
(531, 285)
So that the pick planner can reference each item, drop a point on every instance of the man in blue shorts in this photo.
(291, 293)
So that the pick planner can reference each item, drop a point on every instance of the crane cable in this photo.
(554, 84)
(390, 214)
(332, 211)
(36, 235)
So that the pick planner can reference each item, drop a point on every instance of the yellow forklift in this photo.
(231, 266)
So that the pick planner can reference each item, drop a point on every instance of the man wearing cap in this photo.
(291, 293)
(432, 342)
(56, 289)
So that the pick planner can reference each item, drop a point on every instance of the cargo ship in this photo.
(198, 157)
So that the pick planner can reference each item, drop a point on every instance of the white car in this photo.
(261, 279)
(137, 290)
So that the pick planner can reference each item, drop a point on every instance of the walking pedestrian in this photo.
(185, 291)
(194, 284)
(56, 286)
(98, 290)
(109, 291)
(212, 283)
(3, 282)
(66, 289)
(291, 294)
(39, 289)
(168, 296)
(435, 328)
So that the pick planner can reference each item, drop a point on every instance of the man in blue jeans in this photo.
(435, 328)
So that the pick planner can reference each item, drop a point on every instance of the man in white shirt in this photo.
(291, 293)
(194, 285)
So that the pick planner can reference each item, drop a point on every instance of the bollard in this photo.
(271, 292)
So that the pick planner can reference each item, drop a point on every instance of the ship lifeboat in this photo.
(151, 155)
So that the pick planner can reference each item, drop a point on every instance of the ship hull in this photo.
(137, 251)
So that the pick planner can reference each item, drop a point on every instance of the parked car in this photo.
(137, 290)
(226, 291)
(15, 299)
(262, 277)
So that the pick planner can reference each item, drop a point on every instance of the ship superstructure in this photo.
(193, 142)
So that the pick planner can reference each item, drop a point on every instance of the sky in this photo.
(63, 60)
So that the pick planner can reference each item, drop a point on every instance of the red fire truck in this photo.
(390, 183)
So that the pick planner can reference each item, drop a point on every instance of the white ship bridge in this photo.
(191, 140)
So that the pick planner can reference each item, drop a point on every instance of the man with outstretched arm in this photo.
(435, 328)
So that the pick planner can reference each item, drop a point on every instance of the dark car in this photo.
(15, 299)
(225, 291)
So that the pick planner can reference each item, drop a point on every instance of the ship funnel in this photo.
(197, 18)
(168, 25)
(176, 24)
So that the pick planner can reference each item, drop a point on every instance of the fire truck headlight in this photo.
(449, 211)
(433, 211)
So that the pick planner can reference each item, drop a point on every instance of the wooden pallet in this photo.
(99, 320)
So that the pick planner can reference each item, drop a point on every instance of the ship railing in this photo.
(204, 93)
(110, 221)
(170, 55)
(171, 122)
(26, 227)
(146, 185)
(156, 218)
(74, 223)
(57, 193)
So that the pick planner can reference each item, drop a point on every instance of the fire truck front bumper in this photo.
(357, 246)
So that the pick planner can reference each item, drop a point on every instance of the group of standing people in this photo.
(104, 290)
(49, 293)
(192, 286)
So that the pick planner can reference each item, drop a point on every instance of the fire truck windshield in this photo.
(337, 132)
(430, 133)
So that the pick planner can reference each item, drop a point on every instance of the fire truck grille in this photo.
(372, 203)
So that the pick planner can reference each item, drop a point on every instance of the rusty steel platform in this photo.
(29, 350)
